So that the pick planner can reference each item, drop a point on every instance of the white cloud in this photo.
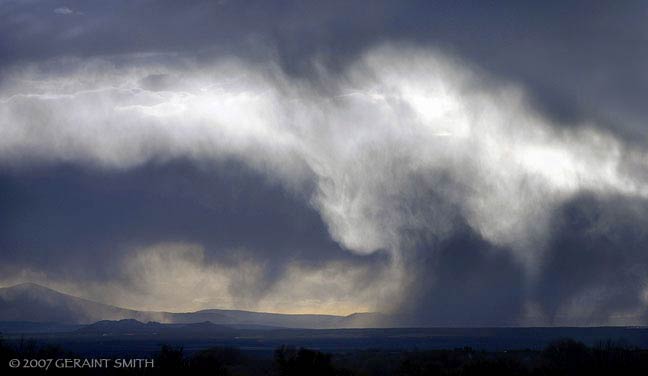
(63, 11)
(403, 142)
(176, 277)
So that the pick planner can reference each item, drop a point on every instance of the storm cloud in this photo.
(439, 168)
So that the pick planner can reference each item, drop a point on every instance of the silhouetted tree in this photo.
(291, 362)
(170, 360)
(566, 357)
(215, 361)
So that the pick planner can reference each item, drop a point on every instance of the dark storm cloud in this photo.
(581, 60)
(597, 262)
(464, 281)
(64, 218)
(523, 217)
(595, 273)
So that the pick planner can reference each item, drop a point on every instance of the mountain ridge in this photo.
(36, 303)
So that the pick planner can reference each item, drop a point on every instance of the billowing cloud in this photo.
(63, 11)
(399, 128)
(177, 276)
(469, 169)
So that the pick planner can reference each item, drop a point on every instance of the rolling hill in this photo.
(29, 302)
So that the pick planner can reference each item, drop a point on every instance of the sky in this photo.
(450, 163)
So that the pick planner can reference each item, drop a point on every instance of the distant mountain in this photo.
(36, 303)
(29, 302)
(125, 326)
(134, 327)
(231, 317)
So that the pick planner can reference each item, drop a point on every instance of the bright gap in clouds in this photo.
(416, 124)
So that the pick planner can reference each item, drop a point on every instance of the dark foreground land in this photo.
(564, 357)
(129, 347)
(136, 339)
